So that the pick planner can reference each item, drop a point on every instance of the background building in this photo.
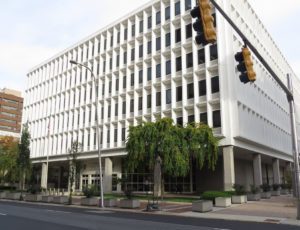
(11, 106)
(148, 66)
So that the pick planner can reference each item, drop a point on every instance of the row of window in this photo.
(10, 115)
(8, 128)
(9, 107)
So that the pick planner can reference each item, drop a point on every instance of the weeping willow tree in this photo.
(176, 147)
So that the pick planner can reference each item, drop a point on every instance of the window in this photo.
(116, 109)
(109, 110)
(102, 113)
(110, 64)
(124, 107)
(177, 8)
(132, 79)
(149, 22)
(217, 119)
(149, 73)
(124, 82)
(187, 5)
(125, 34)
(109, 87)
(213, 52)
(141, 26)
(125, 58)
(108, 136)
(111, 41)
(141, 51)
(158, 98)
(140, 76)
(123, 134)
(191, 119)
(168, 39)
(178, 35)
(149, 101)
(140, 103)
(168, 96)
(118, 60)
(167, 13)
(149, 47)
(178, 64)
(133, 30)
(215, 84)
(158, 18)
(158, 43)
(203, 118)
(158, 70)
(132, 54)
(202, 88)
(189, 60)
(118, 37)
(201, 57)
(188, 30)
(115, 135)
(131, 105)
(117, 84)
(179, 121)
(190, 90)
(168, 67)
(101, 139)
(179, 93)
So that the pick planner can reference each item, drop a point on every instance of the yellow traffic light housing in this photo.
(248, 64)
(207, 21)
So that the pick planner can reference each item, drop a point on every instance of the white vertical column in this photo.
(257, 173)
(276, 171)
(228, 167)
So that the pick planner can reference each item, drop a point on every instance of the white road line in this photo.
(48, 210)
(2, 214)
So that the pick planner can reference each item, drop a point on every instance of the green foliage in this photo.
(284, 186)
(126, 187)
(90, 191)
(275, 187)
(211, 195)
(265, 187)
(254, 189)
(239, 189)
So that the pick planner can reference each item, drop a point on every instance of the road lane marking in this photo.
(49, 210)
(100, 212)
(2, 214)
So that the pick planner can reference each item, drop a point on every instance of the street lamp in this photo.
(97, 123)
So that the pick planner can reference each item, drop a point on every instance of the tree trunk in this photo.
(157, 177)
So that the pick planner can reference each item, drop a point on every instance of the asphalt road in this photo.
(15, 216)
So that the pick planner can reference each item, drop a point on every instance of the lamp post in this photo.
(97, 127)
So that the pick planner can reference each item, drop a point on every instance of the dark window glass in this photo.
(203, 118)
(125, 34)
(188, 31)
(132, 79)
(110, 63)
(108, 136)
(131, 105)
(179, 93)
(177, 8)
(149, 101)
(217, 119)
(103, 89)
(158, 99)
(189, 60)
(190, 90)
(118, 60)
(124, 107)
(178, 64)
(202, 88)
(158, 18)
(101, 139)
(102, 113)
(109, 110)
(191, 119)
(123, 134)
(168, 96)
(187, 4)
(132, 54)
(167, 13)
(158, 70)
(141, 51)
(149, 73)
(149, 47)
(104, 66)
(115, 135)
(140, 103)
(179, 121)
(215, 84)
(201, 56)
(116, 109)
(118, 38)
(168, 67)
(105, 41)
(117, 84)
(158, 43)
(149, 22)
(140, 76)
(133, 30)
(168, 39)
(178, 35)
(98, 47)
(111, 41)
(213, 52)
(124, 82)
(109, 87)
(125, 57)
(141, 26)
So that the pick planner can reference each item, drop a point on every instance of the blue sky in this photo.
(35, 30)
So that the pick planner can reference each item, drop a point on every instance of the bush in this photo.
(275, 187)
(211, 195)
(284, 186)
(289, 186)
(90, 191)
(265, 187)
(6, 188)
(254, 189)
(239, 189)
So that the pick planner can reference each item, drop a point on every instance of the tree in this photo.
(23, 161)
(173, 146)
(75, 166)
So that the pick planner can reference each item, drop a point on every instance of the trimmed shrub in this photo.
(275, 187)
(90, 191)
(211, 195)
(254, 189)
(239, 190)
(284, 186)
(265, 187)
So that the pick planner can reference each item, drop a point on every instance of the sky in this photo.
(33, 31)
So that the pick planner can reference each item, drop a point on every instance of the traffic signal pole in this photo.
(289, 92)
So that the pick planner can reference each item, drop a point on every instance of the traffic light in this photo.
(245, 66)
(204, 25)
